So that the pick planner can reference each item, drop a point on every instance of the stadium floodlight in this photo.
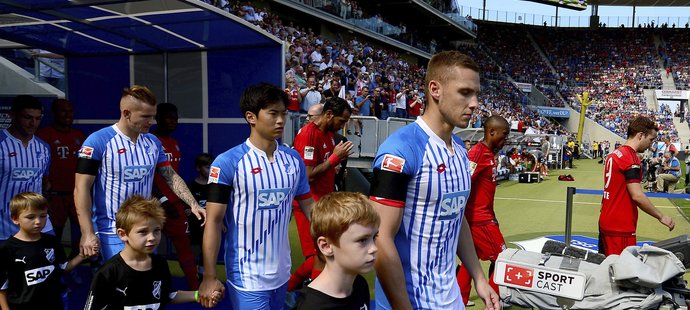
(579, 5)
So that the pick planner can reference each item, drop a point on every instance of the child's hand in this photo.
(216, 297)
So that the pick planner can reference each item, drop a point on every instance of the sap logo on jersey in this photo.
(135, 173)
(24, 174)
(452, 205)
(38, 275)
(272, 198)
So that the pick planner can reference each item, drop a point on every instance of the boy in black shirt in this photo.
(136, 278)
(32, 263)
(344, 227)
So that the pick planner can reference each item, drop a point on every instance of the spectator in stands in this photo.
(363, 103)
(670, 171)
(310, 94)
(401, 103)
(415, 106)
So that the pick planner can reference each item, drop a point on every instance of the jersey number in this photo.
(608, 171)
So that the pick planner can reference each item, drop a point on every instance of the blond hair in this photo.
(333, 214)
(25, 201)
(141, 93)
(137, 208)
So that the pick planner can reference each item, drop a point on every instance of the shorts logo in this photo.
(24, 174)
(156, 289)
(38, 275)
(272, 198)
(85, 152)
(135, 173)
(213, 175)
(309, 152)
(452, 205)
(50, 254)
(519, 275)
(392, 163)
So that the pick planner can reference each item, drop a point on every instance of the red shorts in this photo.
(611, 243)
(488, 240)
(61, 208)
(176, 224)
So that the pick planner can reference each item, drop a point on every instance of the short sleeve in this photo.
(98, 297)
(307, 147)
(94, 146)
(394, 165)
(162, 158)
(303, 182)
(5, 264)
(221, 171)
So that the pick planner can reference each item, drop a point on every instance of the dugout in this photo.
(194, 55)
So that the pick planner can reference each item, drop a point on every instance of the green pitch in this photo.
(527, 211)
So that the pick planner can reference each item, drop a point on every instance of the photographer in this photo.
(311, 94)
(363, 103)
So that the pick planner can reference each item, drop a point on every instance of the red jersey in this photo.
(416, 110)
(480, 206)
(618, 210)
(172, 151)
(315, 146)
(64, 146)
(294, 100)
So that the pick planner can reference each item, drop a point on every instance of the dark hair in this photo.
(203, 159)
(55, 103)
(141, 93)
(336, 105)
(23, 102)
(641, 124)
(164, 108)
(259, 96)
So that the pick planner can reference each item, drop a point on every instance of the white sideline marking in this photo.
(563, 201)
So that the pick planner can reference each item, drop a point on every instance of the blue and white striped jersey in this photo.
(257, 249)
(126, 169)
(437, 187)
(21, 170)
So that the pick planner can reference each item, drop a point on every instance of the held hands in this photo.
(89, 245)
(211, 291)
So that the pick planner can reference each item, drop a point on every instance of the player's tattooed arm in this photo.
(181, 190)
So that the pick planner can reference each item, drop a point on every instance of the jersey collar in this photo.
(260, 151)
(7, 133)
(435, 138)
(119, 132)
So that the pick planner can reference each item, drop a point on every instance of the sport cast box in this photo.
(529, 177)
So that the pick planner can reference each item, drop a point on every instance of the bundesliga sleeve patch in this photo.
(86, 152)
(309, 153)
(392, 163)
(213, 175)
(473, 166)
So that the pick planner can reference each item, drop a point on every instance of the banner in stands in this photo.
(524, 87)
(554, 112)
(671, 94)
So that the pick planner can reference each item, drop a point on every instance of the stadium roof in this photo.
(640, 2)
(97, 27)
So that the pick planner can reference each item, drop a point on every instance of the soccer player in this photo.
(251, 188)
(64, 143)
(32, 263)
(420, 186)
(118, 162)
(315, 144)
(487, 237)
(176, 226)
(136, 278)
(623, 193)
(25, 159)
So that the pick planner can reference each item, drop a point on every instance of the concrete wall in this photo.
(593, 131)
